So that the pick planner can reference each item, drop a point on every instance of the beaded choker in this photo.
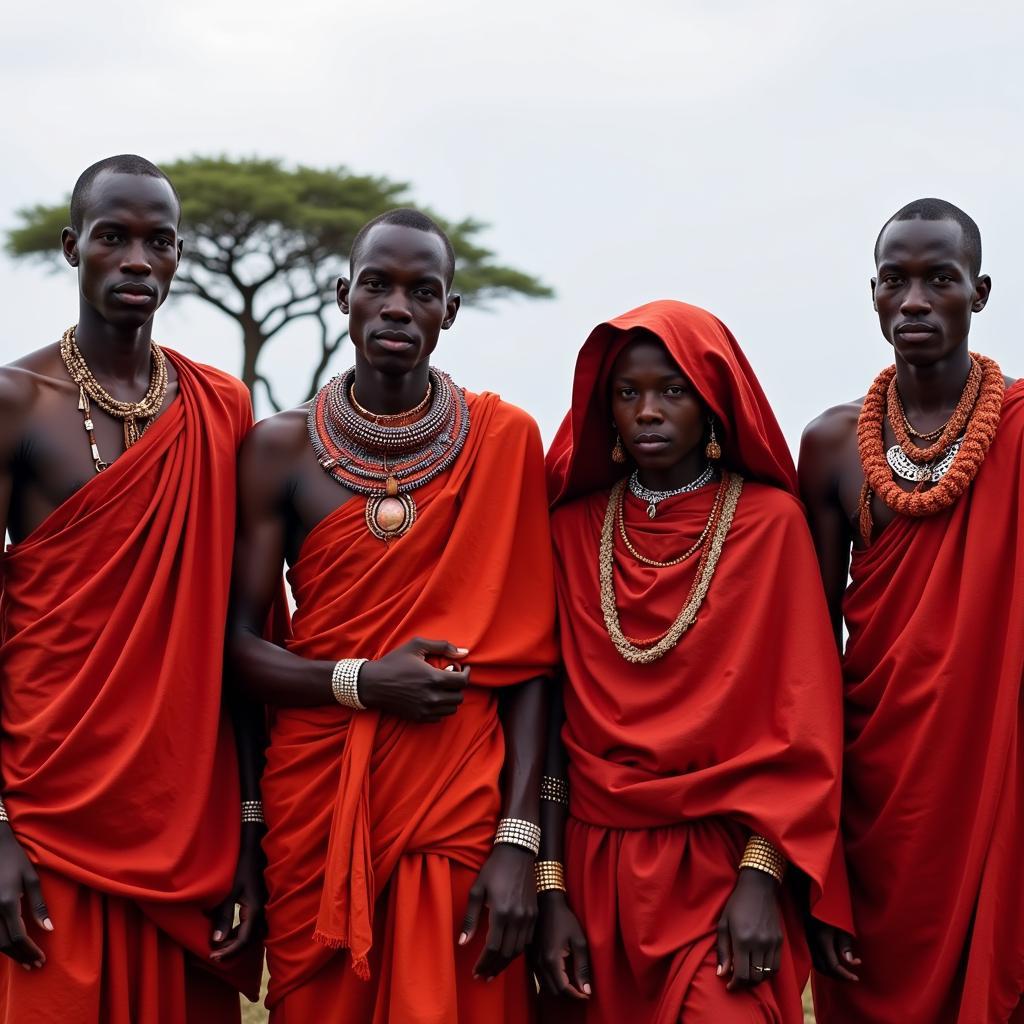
(382, 461)
(652, 498)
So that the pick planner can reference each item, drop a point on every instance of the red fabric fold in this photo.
(119, 766)
(933, 812)
(475, 569)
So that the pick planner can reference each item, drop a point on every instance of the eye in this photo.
(163, 243)
(891, 279)
(373, 283)
(676, 390)
(426, 293)
(110, 237)
(942, 279)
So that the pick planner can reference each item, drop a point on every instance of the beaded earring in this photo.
(713, 451)
(618, 452)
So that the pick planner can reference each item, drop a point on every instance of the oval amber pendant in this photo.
(388, 516)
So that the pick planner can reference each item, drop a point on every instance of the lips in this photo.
(135, 294)
(396, 341)
(916, 331)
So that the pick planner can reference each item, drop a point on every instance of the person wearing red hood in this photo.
(701, 692)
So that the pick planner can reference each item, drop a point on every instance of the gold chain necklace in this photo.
(382, 419)
(621, 516)
(130, 413)
(649, 651)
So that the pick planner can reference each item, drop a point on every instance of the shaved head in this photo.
(407, 218)
(939, 209)
(125, 163)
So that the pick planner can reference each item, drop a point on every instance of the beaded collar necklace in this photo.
(653, 498)
(385, 462)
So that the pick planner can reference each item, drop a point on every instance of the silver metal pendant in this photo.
(905, 468)
(652, 510)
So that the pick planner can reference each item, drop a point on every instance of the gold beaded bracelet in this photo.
(550, 876)
(554, 789)
(762, 856)
(519, 832)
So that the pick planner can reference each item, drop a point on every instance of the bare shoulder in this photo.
(833, 429)
(278, 438)
(26, 379)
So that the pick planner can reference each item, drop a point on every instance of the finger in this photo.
(846, 953)
(441, 648)
(833, 964)
(451, 679)
(37, 905)
(581, 966)
(223, 919)
(723, 949)
(21, 947)
(759, 960)
(490, 961)
(740, 969)
(776, 960)
(472, 916)
(238, 939)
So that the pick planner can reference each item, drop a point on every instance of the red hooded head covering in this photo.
(579, 460)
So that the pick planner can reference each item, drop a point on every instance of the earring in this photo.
(713, 450)
(618, 452)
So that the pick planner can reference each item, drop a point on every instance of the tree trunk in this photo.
(252, 344)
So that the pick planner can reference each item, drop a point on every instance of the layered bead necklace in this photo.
(643, 652)
(654, 498)
(384, 457)
(951, 462)
(135, 416)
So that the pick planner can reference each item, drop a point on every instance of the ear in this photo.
(343, 290)
(982, 290)
(874, 305)
(69, 245)
(451, 310)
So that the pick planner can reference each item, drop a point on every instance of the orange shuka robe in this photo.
(377, 825)
(736, 730)
(119, 766)
(933, 802)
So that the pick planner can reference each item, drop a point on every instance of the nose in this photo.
(648, 409)
(135, 260)
(396, 307)
(915, 300)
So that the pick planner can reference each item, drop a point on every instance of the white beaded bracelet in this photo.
(252, 812)
(519, 832)
(345, 683)
(3, 812)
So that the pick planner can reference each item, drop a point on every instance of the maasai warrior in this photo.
(120, 853)
(412, 515)
(924, 479)
(701, 690)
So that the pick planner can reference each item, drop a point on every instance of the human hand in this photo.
(249, 893)
(559, 936)
(17, 879)
(749, 931)
(402, 683)
(832, 950)
(506, 886)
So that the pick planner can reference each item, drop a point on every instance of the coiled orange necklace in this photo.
(975, 417)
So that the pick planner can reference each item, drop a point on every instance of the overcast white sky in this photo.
(740, 156)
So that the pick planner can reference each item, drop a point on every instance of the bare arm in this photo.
(506, 883)
(18, 878)
(820, 467)
(560, 934)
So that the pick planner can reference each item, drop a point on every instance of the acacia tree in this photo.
(265, 243)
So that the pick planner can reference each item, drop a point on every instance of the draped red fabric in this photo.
(579, 459)
(737, 730)
(374, 821)
(119, 766)
(933, 812)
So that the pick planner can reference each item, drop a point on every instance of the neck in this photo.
(936, 388)
(387, 395)
(684, 472)
(113, 352)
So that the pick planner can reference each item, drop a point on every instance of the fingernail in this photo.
(463, 939)
(217, 936)
(586, 988)
(47, 924)
(27, 967)
(718, 970)
(489, 980)
(462, 650)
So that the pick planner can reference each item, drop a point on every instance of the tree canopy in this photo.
(265, 243)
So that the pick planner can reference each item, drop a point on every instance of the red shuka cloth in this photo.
(736, 730)
(358, 802)
(118, 761)
(933, 806)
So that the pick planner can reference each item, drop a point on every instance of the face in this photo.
(397, 301)
(924, 291)
(656, 410)
(128, 249)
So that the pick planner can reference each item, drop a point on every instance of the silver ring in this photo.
(763, 970)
